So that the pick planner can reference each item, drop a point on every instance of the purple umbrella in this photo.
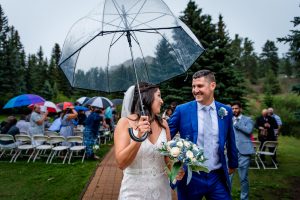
(23, 100)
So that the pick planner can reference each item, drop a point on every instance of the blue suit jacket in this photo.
(185, 120)
(243, 128)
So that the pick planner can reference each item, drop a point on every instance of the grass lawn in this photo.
(38, 180)
(283, 183)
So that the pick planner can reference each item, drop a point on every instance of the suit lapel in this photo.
(194, 120)
(220, 124)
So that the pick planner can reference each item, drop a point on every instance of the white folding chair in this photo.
(56, 150)
(256, 145)
(4, 148)
(41, 149)
(51, 133)
(266, 151)
(25, 145)
(77, 147)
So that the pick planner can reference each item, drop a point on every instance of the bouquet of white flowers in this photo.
(183, 152)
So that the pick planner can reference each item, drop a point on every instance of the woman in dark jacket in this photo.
(91, 131)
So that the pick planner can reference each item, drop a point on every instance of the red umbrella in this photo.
(51, 107)
(65, 105)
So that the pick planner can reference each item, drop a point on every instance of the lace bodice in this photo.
(145, 177)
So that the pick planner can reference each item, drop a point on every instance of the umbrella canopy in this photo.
(82, 100)
(100, 102)
(64, 105)
(23, 100)
(50, 106)
(79, 108)
(117, 101)
(125, 41)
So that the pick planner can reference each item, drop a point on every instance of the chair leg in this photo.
(37, 153)
(70, 157)
(19, 153)
(33, 151)
(13, 157)
(261, 162)
(65, 157)
(54, 153)
(83, 156)
(48, 159)
(2, 153)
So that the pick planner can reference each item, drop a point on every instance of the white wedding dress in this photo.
(145, 178)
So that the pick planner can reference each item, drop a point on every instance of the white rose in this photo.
(194, 160)
(195, 147)
(189, 154)
(179, 144)
(186, 144)
(175, 151)
(202, 157)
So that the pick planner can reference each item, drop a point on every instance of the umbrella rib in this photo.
(136, 40)
(108, 55)
(168, 43)
(107, 23)
(138, 12)
(144, 23)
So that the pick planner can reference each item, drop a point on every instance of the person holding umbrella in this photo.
(91, 130)
(37, 120)
(68, 114)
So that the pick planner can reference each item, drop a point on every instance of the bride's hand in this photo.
(143, 125)
(180, 174)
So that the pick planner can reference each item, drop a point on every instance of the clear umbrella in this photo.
(96, 55)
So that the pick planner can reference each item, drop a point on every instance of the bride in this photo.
(143, 166)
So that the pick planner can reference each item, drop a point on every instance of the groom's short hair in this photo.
(209, 75)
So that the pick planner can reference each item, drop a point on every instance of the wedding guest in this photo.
(23, 125)
(277, 119)
(243, 127)
(266, 125)
(37, 119)
(10, 128)
(167, 114)
(67, 126)
(91, 131)
(142, 165)
(208, 124)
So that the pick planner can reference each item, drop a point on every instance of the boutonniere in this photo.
(222, 112)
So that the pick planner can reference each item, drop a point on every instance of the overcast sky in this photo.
(45, 22)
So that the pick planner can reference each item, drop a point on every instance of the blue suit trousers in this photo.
(211, 185)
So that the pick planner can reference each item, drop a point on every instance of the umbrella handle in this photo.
(137, 139)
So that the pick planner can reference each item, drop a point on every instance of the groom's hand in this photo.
(231, 170)
(180, 175)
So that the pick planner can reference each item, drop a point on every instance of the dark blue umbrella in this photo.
(23, 100)
(79, 108)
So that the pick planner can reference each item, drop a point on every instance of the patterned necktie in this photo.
(208, 136)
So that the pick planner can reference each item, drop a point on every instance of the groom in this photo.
(208, 124)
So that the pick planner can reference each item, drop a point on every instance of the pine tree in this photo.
(294, 40)
(271, 83)
(269, 58)
(249, 61)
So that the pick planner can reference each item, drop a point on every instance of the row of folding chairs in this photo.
(38, 145)
(268, 148)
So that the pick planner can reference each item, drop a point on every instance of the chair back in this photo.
(23, 138)
(7, 137)
(272, 144)
(56, 139)
(51, 133)
(76, 139)
(256, 145)
(40, 138)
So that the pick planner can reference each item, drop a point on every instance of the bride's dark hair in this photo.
(147, 93)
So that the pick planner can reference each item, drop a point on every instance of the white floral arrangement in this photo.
(96, 148)
(183, 152)
(222, 112)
